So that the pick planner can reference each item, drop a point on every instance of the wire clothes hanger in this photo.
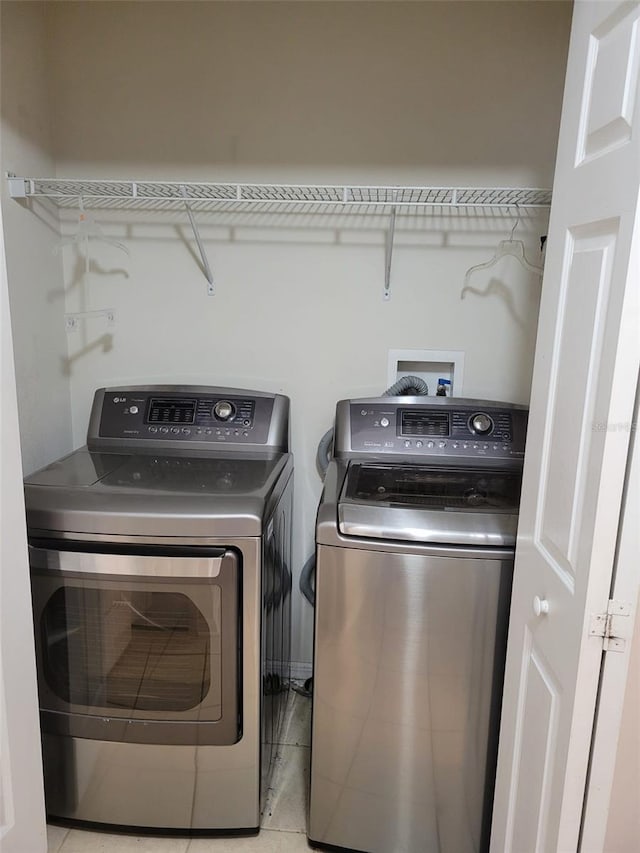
(506, 248)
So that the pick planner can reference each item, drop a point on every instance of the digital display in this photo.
(171, 411)
(435, 424)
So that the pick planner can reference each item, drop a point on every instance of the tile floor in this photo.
(284, 819)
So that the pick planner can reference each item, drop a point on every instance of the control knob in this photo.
(224, 410)
(480, 424)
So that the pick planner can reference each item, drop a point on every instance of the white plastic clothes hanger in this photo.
(87, 231)
(506, 248)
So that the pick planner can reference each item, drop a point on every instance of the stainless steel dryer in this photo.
(160, 557)
(415, 537)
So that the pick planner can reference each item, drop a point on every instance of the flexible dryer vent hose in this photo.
(406, 386)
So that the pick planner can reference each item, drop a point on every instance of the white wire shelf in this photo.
(168, 195)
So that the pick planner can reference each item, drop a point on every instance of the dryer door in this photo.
(140, 646)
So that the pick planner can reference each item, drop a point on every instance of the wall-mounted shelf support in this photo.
(203, 255)
(388, 254)
(18, 187)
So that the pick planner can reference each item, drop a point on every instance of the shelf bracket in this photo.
(18, 187)
(388, 253)
(203, 255)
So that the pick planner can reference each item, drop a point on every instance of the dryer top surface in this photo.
(204, 494)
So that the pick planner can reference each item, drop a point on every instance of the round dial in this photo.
(224, 410)
(480, 424)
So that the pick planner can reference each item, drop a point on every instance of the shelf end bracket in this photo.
(17, 186)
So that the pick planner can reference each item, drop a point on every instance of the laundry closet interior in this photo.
(278, 196)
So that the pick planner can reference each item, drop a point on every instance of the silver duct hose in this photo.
(406, 386)
(306, 585)
(323, 455)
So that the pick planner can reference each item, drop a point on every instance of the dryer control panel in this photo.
(167, 416)
(446, 430)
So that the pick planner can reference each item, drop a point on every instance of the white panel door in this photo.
(584, 383)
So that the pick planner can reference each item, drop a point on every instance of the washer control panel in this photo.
(155, 416)
(446, 429)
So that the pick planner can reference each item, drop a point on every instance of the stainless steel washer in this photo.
(415, 537)
(160, 557)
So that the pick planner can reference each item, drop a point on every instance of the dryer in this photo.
(160, 557)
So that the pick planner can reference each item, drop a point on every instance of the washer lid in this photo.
(430, 503)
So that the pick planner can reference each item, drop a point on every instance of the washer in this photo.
(415, 542)
(160, 557)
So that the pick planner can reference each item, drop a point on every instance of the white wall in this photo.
(43, 400)
(429, 93)
(447, 91)
(35, 272)
(22, 819)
